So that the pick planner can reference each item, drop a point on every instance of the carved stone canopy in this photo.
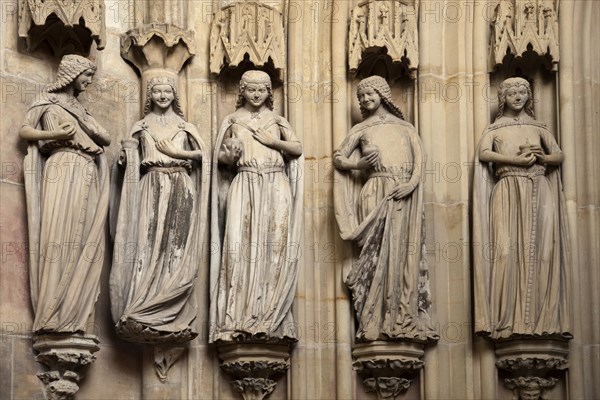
(157, 46)
(384, 31)
(522, 26)
(247, 30)
(64, 26)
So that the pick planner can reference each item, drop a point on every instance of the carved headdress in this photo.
(378, 84)
(70, 67)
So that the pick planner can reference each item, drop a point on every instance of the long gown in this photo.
(254, 279)
(387, 279)
(67, 203)
(152, 279)
(521, 281)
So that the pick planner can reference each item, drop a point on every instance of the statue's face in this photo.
(162, 95)
(369, 99)
(517, 97)
(255, 94)
(83, 80)
(529, 394)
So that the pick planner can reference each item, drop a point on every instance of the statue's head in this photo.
(379, 86)
(255, 88)
(161, 91)
(70, 69)
(515, 85)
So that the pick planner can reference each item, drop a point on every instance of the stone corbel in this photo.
(388, 368)
(521, 26)
(64, 27)
(531, 362)
(383, 35)
(66, 356)
(255, 367)
(247, 29)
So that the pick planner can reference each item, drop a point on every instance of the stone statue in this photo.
(379, 205)
(67, 191)
(256, 219)
(520, 235)
(161, 224)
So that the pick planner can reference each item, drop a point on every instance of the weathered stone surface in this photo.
(15, 306)
(389, 279)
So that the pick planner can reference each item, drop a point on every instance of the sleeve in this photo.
(487, 142)
(348, 146)
(549, 143)
(287, 133)
(418, 160)
(50, 120)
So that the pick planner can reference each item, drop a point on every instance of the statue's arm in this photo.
(341, 157)
(405, 189)
(53, 130)
(554, 155)
(487, 154)
(100, 136)
(288, 143)
(418, 160)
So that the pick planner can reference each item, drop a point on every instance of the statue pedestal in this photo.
(388, 368)
(530, 361)
(65, 355)
(254, 366)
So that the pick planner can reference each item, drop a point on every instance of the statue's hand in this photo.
(65, 131)
(525, 159)
(263, 137)
(401, 191)
(371, 160)
(122, 157)
(167, 147)
(231, 151)
(539, 154)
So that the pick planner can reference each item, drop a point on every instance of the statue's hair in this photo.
(162, 80)
(382, 88)
(503, 90)
(255, 76)
(70, 67)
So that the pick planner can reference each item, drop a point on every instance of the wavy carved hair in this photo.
(256, 77)
(503, 90)
(176, 104)
(379, 85)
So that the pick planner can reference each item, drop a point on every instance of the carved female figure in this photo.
(67, 184)
(256, 219)
(519, 224)
(160, 229)
(379, 205)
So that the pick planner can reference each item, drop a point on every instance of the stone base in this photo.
(65, 355)
(388, 368)
(254, 366)
(530, 361)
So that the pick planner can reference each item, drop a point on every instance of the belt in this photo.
(528, 175)
(166, 170)
(261, 171)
